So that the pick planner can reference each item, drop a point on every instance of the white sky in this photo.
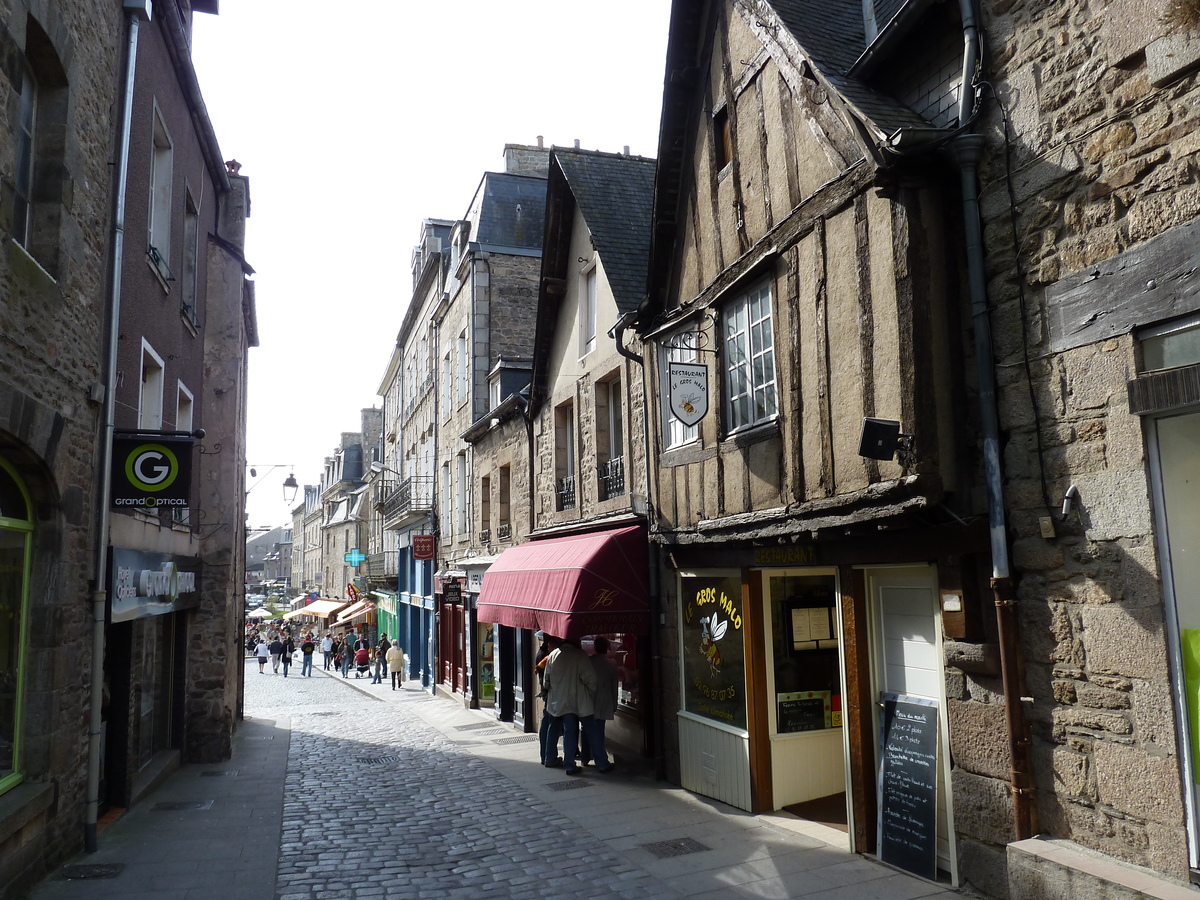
(355, 121)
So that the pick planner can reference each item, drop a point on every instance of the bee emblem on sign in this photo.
(712, 629)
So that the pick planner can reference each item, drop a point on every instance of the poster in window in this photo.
(714, 652)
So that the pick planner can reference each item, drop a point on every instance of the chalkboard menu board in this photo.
(908, 784)
(803, 711)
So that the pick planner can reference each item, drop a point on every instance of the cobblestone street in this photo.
(344, 790)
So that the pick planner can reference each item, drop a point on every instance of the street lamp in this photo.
(290, 485)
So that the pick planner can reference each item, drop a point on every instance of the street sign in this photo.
(355, 557)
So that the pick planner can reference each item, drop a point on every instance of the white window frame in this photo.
(748, 359)
(461, 494)
(675, 433)
(461, 380)
(151, 384)
(588, 286)
(162, 166)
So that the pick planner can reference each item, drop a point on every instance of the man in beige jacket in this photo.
(570, 684)
(396, 664)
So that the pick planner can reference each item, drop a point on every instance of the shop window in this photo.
(749, 357)
(714, 647)
(622, 650)
(16, 527)
(804, 652)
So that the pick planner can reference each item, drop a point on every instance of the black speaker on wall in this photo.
(879, 439)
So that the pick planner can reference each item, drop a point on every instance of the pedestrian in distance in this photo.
(604, 707)
(550, 727)
(276, 648)
(308, 647)
(327, 649)
(396, 662)
(383, 647)
(347, 653)
(263, 652)
(289, 648)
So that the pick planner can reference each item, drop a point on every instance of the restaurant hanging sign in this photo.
(151, 472)
(423, 546)
(688, 391)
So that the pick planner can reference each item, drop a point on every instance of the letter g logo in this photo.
(151, 467)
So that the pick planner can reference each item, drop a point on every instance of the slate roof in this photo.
(615, 194)
(832, 34)
(512, 211)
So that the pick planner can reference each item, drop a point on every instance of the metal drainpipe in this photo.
(968, 149)
(660, 759)
(104, 493)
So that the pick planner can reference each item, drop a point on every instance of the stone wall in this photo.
(51, 331)
(1103, 136)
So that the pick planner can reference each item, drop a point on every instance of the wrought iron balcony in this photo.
(612, 478)
(383, 565)
(485, 536)
(504, 532)
(565, 489)
(411, 500)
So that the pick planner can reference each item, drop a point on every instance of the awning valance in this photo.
(571, 586)
(321, 609)
(361, 608)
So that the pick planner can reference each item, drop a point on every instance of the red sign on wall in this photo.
(423, 546)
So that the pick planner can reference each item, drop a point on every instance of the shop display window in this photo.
(487, 664)
(622, 649)
(804, 652)
(713, 649)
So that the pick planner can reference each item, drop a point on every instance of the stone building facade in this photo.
(90, 350)
(1090, 201)
(52, 319)
(486, 314)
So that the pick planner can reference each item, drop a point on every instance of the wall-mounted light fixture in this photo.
(881, 439)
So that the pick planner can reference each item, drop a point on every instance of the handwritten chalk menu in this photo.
(908, 784)
(803, 711)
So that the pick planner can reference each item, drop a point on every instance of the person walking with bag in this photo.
(289, 647)
(396, 663)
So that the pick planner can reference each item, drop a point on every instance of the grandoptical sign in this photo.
(688, 387)
(151, 584)
(151, 472)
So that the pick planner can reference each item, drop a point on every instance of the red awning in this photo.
(571, 586)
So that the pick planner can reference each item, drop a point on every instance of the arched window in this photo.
(16, 528)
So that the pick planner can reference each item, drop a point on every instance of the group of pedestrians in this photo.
(580, 694)
(281, 651)
(349, 650)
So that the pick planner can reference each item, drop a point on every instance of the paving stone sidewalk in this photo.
(343, 790)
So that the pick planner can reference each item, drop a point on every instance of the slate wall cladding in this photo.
(1103, 157)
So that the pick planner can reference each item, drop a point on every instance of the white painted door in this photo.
(907, 659)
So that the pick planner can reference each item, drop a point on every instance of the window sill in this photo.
(753, 434)
(24, 264)
(21, 805)
(685, 454)
(157, 272)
